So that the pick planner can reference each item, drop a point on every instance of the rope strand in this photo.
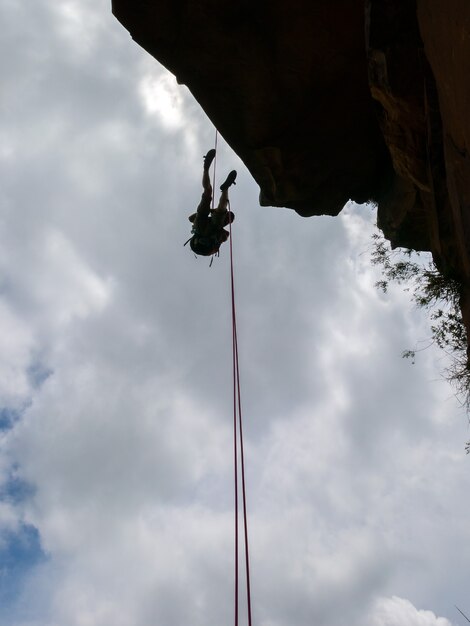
(215, 167)
(237, 431)
(237, 418)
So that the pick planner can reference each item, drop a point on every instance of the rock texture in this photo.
(330, 101)
(284, 82)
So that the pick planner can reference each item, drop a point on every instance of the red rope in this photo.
(237, 432)
(237, 421)
(215, 166)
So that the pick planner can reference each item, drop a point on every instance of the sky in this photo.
(115, 372)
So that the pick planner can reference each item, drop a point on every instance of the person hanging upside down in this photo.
(208, 232)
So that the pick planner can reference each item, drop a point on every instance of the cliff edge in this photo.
(330, 101)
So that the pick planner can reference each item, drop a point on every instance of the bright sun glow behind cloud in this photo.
(162, 98)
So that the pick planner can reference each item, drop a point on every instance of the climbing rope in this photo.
(238, 436)
(238, 449)
(215, 166)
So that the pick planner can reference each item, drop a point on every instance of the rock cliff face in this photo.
(330, 101)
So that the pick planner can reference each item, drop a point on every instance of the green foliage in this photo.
(437, 293)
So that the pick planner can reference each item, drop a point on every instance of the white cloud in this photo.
(355, 459)
(16, 347)
(8, 522)
(66, 285)
(162, 97)
(79, 26)
(396, 611)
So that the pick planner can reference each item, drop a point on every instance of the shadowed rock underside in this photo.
(330, 101)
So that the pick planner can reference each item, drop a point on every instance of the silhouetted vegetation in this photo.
(437, 293)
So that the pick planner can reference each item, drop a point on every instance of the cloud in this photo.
(16, 346)
(116, 373)
(398, 611)
(162, 96)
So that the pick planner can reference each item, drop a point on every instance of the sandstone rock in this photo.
(330, 101)
(285, 83)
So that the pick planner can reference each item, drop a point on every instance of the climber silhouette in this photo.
(208, 232)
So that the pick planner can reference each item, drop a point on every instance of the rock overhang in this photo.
(327, 102)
